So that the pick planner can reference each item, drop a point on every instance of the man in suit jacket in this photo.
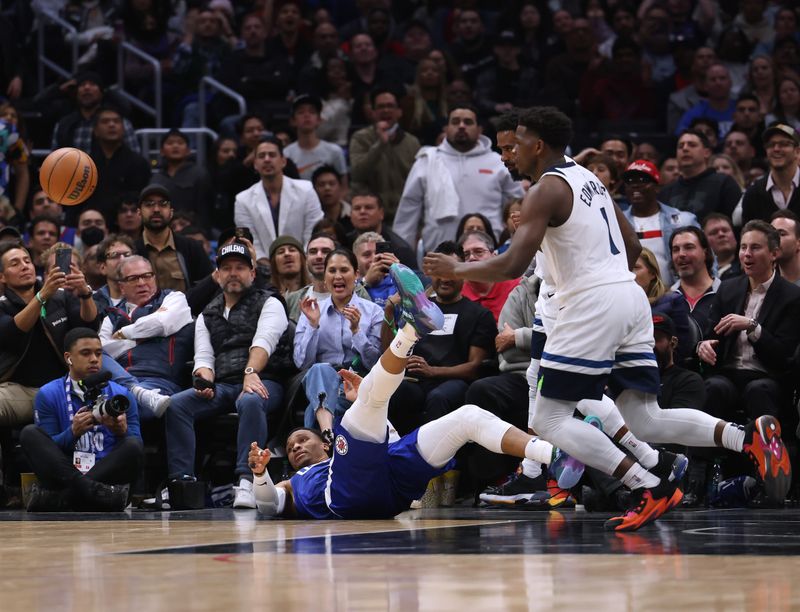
(276, 205)
(779, 189)
(754, 330)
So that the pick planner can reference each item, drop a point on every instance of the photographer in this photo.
(83, 452)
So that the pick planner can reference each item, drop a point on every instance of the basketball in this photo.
(68, 176)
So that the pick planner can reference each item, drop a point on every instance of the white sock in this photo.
(538, 450)
(531, 469)
(637, 478)
(644, 453)
(403, 344)
(733, 437)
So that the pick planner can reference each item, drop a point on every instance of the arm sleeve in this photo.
(270, 499)
(203, 351)
(409, 210)
(306, 341)
(272, 322)
(47, 420)
(173, 315)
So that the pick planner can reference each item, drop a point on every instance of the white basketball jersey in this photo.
(587, 250)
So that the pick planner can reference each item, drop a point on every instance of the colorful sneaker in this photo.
(423, 315)
(566, 470)
(559, 497)
(671, 466)
(518, 487)
(763, 444)
(646, 506)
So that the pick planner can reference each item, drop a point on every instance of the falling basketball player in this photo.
(367, 476)
(603, 333)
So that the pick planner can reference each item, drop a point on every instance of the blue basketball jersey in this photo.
(308, 487)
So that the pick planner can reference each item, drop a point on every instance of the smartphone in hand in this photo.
(64, 259)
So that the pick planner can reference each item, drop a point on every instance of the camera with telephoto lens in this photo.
(101, 405)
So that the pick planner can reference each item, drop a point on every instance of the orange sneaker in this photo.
(646, 506)
(559, 498)
(763, 444)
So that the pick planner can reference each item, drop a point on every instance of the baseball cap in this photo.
(781, 129)
(283, 241)
(234, 249)
(306, 99)
(642, 166)
(9, 232)
(662, 323)
(152, 189)
(507, 37)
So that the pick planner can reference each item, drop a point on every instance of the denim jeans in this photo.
(186, 408)
(118, 374)
(322, 378)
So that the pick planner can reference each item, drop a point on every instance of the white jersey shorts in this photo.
(603, 336)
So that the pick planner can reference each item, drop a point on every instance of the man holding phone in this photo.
(35, 317)
(374, 256)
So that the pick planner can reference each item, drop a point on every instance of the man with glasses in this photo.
(150, 331)
(179, 262)
(478, 246)
(653, 221)
(110, 254)
(381, 155)
(778, 190)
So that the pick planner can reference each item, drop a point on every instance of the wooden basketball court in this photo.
(447, 559)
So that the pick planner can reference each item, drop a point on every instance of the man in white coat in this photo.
(462, 175)
(277, 204)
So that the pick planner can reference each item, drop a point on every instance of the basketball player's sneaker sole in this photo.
(646, 506)
(538, 500)
(763, 444)
(422, 314)
(566, 470)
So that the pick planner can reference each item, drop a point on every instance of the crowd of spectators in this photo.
(374, 132)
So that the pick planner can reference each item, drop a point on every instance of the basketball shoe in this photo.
(417, 310)
(763, 444)
(671, 466)
(647, 505)
(516, 489)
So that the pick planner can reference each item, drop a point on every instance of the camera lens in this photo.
(117, 405)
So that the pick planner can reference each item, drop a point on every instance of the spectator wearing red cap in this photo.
(652, 220)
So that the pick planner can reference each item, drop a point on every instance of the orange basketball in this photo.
(68, 176)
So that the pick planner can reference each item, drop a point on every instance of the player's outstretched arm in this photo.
(544, 203)
(271, 500)
(633, 248)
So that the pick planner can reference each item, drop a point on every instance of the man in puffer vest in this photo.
(150, 333)
(235, 336)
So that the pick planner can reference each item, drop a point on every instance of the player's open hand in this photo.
(352, 382)
(440, 265)
(258, 458)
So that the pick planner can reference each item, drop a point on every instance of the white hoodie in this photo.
(481, 183)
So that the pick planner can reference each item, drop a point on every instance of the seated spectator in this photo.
(779, 189)
(308, 152)
(738, 147)
(511, 213)
(119, 168)
(129, 218)
(382, 154)
(747, 118)
(478, 246)
(718, 228)
(75, 129)
(474, 222)
(753, 333)
(725, 164)
(198, 234)
(446, 361)
(605, 168)
(788, 228)
(92, 229)
(341, 331)
(288, 264)
(373, 266)
(277, 204)
(236, 338)
(710, 129)
(82, 461)
(682, 100)
(506, 83)
(289, 41)
(669, 171)
(43, 206)
(664, 301)
(787, 108)
(693, 262)
(330, 190)
(187, 182)
(92, 269)
(653, 221)
(718, 105)
(110, 254)
(149, 330)
(34, 319)
(179, 262)
(700, 189)
(367, 215)
(680, 388)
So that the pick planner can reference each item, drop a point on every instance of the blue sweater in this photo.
(50, 413)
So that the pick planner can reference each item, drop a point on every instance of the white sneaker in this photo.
(152, 399)
(245, 497)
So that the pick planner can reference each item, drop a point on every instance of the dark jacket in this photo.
(45, 342)
(779, 318)
(193, 259)
(709, 191)
(758, 202)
